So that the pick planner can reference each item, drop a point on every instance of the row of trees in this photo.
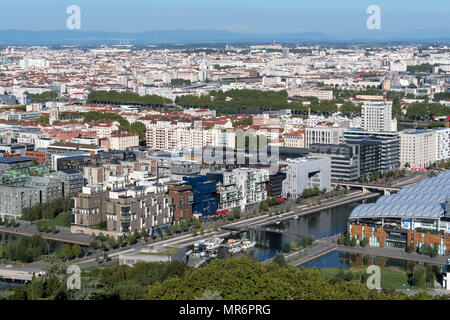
(42, 97)
(114, 97)
(26, 249)
(124, 125)
(47, 210)
(229, 102)
(221, 279)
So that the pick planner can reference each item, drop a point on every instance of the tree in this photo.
(93, 245)
(287, 248)
(112, 243)
(67, 252)
(279, 260)
(418, 279)
(364, 242)
(76, 250)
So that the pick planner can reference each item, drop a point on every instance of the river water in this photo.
(317, 225)
(51, 244)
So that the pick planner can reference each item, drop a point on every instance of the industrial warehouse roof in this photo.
(425, 200)
(397, 210)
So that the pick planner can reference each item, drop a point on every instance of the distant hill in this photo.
(182, 36)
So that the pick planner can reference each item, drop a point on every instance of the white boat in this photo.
(234, 243)
(214, 243)
(235, 249)
(247, 244)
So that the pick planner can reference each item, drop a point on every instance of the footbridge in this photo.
(366, 187)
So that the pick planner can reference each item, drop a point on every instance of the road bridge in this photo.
(366, 187)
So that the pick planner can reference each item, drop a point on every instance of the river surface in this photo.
(321, 224)
(51, 244)
(345, 260)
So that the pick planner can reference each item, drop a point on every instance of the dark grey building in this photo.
(345, 160)
(8, 99)
(369, 157)
(390, 145)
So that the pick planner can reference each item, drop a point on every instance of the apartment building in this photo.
(324, 135)
(344, 160)
(417, 148)
(88, 207)
(128, 210)
(377, 117)
(295, 139)
(390, 145)
(123, 140)
(14, 199)
(229, 193)
(442, 144)
(252, 183)
(181, 198)
(169, 138)
(104, 130)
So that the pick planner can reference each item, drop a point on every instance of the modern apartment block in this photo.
(344, 160)
(88, 207)
(390, 145)
(14, 199)
(377, 117)
(72, 181)
(229, 193)
(324, 135)
(304, 173)
(252, 183)
(417, 148)
(369, 157)
(181, 198)
(442, 144)
(138, 208)
(49, 188)
(205, 195)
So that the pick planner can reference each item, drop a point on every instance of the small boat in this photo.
(214, 244)
(233, 243)
(235, 249)
(247, 244)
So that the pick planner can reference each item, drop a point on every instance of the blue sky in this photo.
(334, 17)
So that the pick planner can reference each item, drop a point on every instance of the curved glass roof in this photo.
(425, 200)
(397, 210)
(412, 197)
